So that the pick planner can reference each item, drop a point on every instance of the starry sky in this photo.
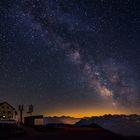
(71, 57)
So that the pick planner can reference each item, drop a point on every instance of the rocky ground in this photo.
(69, 132)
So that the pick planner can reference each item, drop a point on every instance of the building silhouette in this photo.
(7, 111)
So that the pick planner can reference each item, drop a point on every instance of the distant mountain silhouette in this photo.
(127, 125)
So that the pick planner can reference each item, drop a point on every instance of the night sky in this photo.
(71, 57)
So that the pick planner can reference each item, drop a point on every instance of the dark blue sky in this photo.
(66, 55)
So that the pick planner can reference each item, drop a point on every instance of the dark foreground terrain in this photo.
(67, 132)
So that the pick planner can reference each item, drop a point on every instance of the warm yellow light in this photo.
(84, 112)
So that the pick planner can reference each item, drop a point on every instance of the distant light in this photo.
(3, 116)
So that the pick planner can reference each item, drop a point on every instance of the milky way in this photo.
(70, 54)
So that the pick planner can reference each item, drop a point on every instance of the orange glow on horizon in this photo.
(80, 113)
